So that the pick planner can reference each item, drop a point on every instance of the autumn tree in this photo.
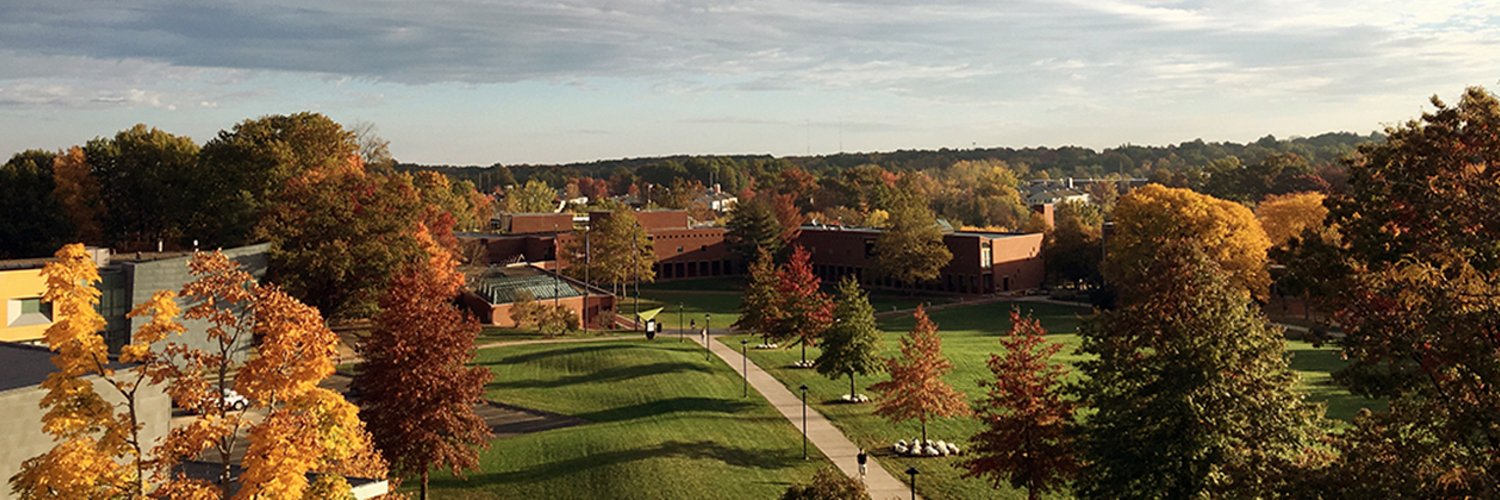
(804, 311)
(851, 345)
(99, 452)
(916, 389)
(1421, 274)
(525, 310)
(305, 428)
(534, 196)
(761, 303)
(828, 484)
(1075, 248)
(1287, 216)
(1027, 440)
(789, 216)
(77, 193)
(417, 392)
(621, 252)
(1154, 216)
(338, 235)
(911, 249)
(753, 227)
(1192, 393)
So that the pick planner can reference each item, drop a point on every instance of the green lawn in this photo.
(969, 336)
(664, 424)
(722, 308)
(717, 284)
(492, 334)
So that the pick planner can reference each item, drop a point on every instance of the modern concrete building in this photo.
(126, 280)
(983, 262)
(22, 370)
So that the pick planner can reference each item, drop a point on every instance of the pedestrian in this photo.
(862, 458)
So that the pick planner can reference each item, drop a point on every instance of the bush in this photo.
(828, 484)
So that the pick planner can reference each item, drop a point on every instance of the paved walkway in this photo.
(820, 432)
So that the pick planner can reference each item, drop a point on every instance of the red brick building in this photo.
(983, 263)
(682, 249)
(491, 295)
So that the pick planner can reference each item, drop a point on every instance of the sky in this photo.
(540, 81)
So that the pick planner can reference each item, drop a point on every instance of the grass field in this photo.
(700, 296)
(664, 424)
(969, 336)
(492, 334)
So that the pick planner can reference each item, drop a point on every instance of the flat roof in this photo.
(27, 365)
(503, 285)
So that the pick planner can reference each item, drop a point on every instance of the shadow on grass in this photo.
(665, 406)
(553, 351)
(700, 450)
(616, 374)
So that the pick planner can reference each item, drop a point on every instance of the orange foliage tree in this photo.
(1026, 441)
(418, 392)
(916, 389)
(77, 191)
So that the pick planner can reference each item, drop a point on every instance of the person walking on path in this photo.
(862, 458)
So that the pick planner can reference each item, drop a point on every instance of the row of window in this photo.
(672, 270)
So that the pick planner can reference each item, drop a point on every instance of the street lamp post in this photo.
(912, 471)
(679, 321)
(804, 421)
(745, 366)
(707, 330)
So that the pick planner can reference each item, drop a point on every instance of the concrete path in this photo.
(820, 432)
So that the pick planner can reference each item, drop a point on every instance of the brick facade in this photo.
(983, 263)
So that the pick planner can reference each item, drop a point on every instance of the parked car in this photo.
(235, 401)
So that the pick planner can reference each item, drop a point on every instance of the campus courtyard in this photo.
(665, 417)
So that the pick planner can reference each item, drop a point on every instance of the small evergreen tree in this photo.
(852, 345)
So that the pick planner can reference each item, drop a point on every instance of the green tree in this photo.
(753, 227)
(911, 250)
(1076, 250)
(243, 169)
(852, 344)
(1418, 278)
(535, 196)
(338, 236)
(1191, 389)
(34, 223)
(149, 185)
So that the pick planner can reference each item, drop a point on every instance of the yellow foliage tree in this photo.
(99, 453)
(1286, 216)
(1152, 216)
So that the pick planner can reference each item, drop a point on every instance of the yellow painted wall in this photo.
(19, 284)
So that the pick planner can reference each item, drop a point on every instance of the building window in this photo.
(28, 311)
(869, 248)
(986, 256)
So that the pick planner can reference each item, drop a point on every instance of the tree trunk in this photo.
(924, 432)
(1032, 493)
(804, 354)
(851, 387)
(424, 484)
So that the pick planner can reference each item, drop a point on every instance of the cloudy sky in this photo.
(514, 81)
